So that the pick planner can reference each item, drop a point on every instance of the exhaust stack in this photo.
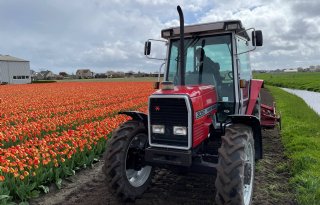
(182, 80)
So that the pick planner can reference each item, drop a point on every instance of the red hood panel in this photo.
(203, 98)
(192, 91)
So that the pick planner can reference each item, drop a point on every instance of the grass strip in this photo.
(301, 138)
(302, 81)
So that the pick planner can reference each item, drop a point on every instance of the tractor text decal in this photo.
(205, 111)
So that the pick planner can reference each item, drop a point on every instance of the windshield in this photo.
(208, 61)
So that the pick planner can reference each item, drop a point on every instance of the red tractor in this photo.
(206, 118)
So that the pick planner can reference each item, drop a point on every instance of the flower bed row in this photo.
(35, 153)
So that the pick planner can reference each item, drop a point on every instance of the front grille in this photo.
(168, 112)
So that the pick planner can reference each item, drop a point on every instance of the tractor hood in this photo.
(201, 96)
(203, 102)
(191, 91)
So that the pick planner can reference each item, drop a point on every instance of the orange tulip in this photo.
(44, 126)
(25, 173)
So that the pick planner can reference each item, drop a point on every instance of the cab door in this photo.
(245, 74)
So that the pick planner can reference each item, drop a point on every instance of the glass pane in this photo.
(208, 61)
(173, 63)
(245, 69)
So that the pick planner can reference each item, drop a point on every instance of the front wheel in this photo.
(125, 170)
(235, 171)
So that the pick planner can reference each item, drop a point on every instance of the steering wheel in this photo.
(230, 75)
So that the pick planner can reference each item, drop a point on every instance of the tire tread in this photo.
(228, 182)
(114, 161)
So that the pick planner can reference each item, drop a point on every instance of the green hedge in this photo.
(44, 81)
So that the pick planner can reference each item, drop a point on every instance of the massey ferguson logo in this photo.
(157, 108)
(205, 111)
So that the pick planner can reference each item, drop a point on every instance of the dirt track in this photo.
(271, 182)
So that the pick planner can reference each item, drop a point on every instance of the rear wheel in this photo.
(235, 171)
(125, 170)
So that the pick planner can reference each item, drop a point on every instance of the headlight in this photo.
(179, 130)
(158, 129)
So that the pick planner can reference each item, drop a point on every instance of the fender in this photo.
(136, 115)
(254, 123)
(255, 87)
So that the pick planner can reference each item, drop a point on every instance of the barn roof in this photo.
(11, 58)
(83, 71)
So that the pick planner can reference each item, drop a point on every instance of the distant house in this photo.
(84, 73)
(113, 74)
(47, 75)
(64, 74)
(291, 70)
(314, 69)
(14, 70)
(32, 74)
(37, 76)
(100, 75)
(129, 74)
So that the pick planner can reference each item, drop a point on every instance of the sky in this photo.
(107, 35)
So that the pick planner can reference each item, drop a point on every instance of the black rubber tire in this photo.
(115, 161)
(230, 171)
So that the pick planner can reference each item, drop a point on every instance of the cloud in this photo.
(291, 37)
(103, 35)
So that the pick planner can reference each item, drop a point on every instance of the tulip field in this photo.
(49, 131)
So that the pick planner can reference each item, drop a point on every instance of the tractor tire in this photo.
(126, 174)
(235, 171)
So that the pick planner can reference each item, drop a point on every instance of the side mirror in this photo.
(257, 38)
(147, 48)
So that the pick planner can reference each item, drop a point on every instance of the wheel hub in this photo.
(135, 159)
(136, 170)
(247, 173)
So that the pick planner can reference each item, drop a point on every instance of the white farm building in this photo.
(14, 70)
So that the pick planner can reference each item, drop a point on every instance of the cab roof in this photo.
(207, 28)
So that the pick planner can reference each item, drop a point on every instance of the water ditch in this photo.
(311, 98)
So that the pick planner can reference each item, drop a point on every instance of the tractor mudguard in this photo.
(136, 115)
(253, 122)
(255, 87)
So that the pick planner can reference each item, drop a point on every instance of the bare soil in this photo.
(271, 182)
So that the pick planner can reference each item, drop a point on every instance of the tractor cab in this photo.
(213, 54)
